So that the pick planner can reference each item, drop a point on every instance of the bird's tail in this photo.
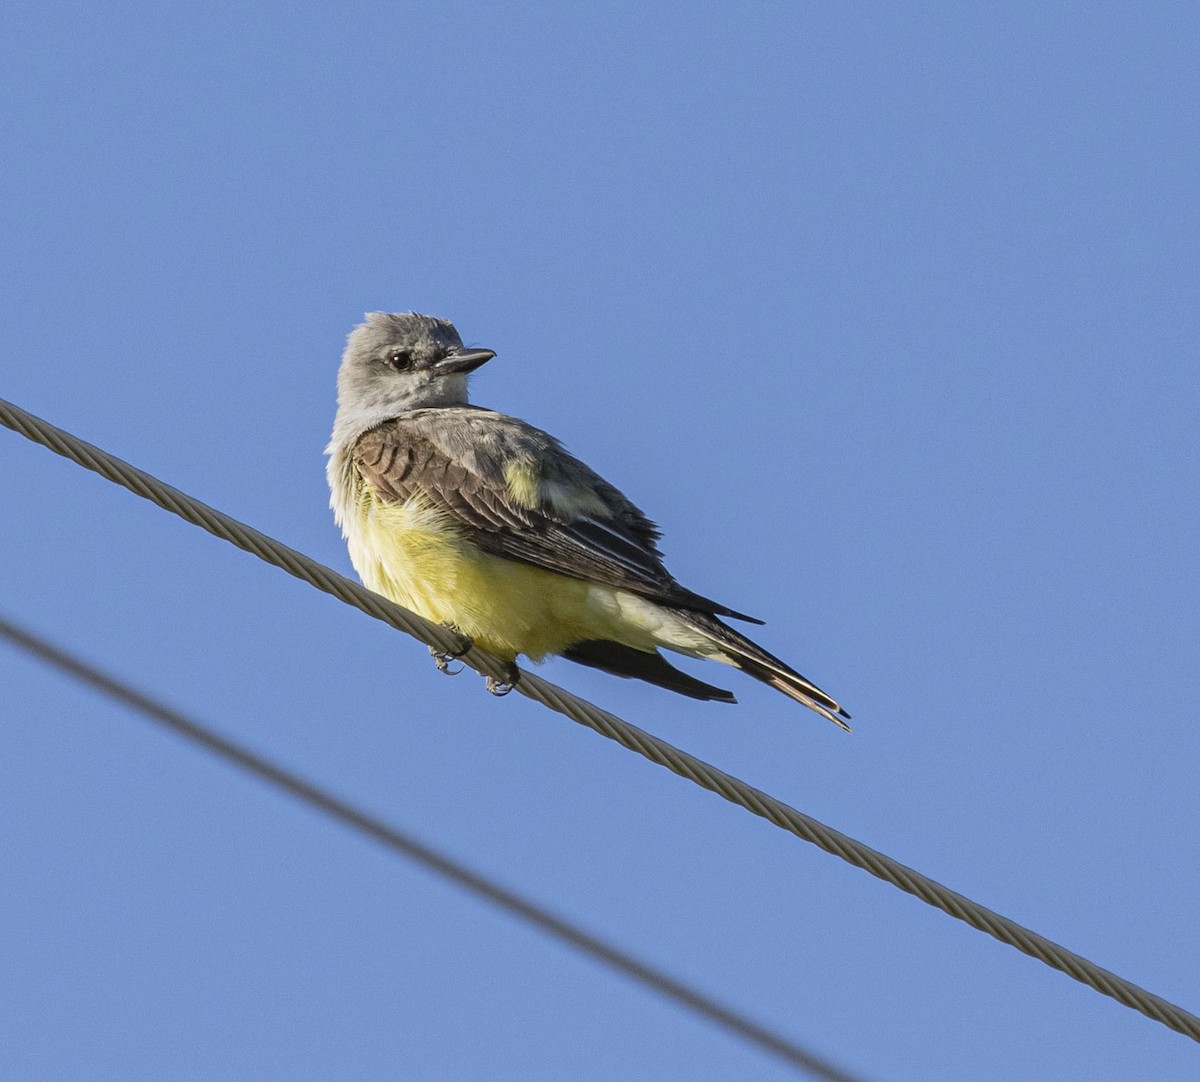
(755, 661)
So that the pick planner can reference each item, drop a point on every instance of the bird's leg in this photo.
(443, 658)
(503, 687)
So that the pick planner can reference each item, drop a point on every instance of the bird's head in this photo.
(395, 362)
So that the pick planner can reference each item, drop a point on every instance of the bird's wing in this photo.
(517, 493)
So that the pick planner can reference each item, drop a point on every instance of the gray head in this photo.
(395, 362)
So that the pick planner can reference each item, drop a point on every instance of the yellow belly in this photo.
(417, 558)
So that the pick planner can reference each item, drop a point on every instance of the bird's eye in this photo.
(400, 359)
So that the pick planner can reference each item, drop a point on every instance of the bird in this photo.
(482, 522)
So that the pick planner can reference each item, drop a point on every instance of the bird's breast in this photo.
(422, 559)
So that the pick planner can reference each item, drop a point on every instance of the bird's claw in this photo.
(500, 687)
(442, 661)
(503, 687)
(443, 658)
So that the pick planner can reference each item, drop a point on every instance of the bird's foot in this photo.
(443, 658)
(442, 661)
(498, 687)
(503, 687)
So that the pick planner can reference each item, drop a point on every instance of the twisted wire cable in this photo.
(608, 725)
(408, 846)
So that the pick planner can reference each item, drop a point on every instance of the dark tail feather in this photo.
(795, 686)
(625, 661)
(754, 660)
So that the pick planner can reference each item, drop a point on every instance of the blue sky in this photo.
(888, 315)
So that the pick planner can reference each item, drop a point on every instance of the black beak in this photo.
(462, 361)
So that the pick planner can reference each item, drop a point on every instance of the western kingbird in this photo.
(482, 522)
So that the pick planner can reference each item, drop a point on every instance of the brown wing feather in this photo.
(455, 459)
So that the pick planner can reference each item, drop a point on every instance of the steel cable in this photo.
(606, 724)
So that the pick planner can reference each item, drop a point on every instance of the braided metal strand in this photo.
(606, 724)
